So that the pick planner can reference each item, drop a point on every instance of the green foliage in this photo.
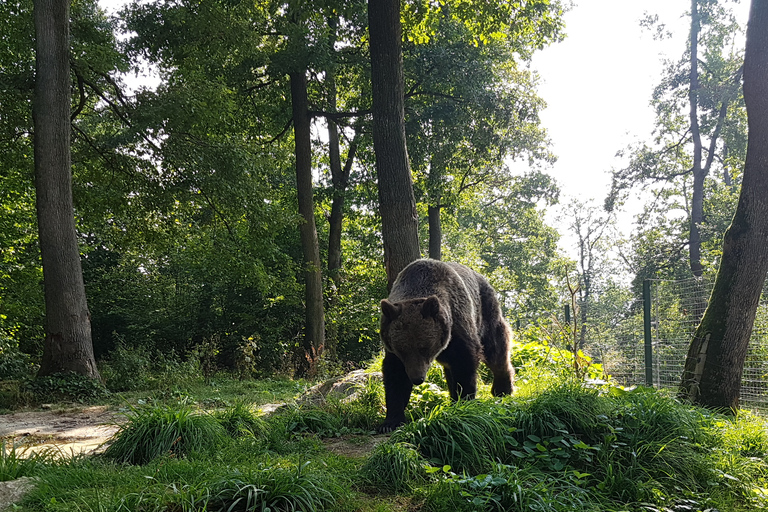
(274, 489)
(559, 447)
(511, 488)
(537, 351)
(468, 435)
(126, 369)
(152, 432)
(395, 467)
(14, 364)
(334, 417)
(424, 399)
(15, 462)
(239, 420)
(69, 386)
(138, 368)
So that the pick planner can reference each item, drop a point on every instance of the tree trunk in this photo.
(68, 345)
(397, 204)
(314, 333)
(435, 232)
(713, 368)
(697, 202)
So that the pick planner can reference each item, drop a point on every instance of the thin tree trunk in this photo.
(314, 333)
(715, 362)
(397, 204)
(68, 345)
(435, 232)
(697, 201)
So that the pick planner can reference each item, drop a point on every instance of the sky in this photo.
(598, 83)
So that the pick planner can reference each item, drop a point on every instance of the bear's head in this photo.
(416, 331)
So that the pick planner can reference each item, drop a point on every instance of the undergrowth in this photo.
(556, 445)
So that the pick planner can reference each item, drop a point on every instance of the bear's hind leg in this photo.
(503, 378)
(397, 392)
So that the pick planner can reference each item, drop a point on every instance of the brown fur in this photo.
(442, 312)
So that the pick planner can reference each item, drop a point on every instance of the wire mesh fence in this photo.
(676, 307)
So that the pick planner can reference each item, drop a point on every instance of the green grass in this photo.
(152, 432)
(394, 467)
(15, 462)
(553, 447)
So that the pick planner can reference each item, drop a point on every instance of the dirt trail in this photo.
(68, 431)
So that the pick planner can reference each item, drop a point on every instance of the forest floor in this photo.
(85, 430)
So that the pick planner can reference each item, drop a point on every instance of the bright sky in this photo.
(598, 83)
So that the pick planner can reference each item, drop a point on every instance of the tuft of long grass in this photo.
(469, 435)
(15, 463)
(273, 489)
(239, 420)
(395, 467)
(151, 432)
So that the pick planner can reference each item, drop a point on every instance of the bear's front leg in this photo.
(397, 391)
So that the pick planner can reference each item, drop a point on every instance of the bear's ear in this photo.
(390, 311)
(431, 307)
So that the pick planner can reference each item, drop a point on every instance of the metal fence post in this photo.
(647, 333)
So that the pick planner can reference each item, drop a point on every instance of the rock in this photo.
(14, 490)
(345, 388)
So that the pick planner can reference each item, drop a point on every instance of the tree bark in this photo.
(713, 368)
(435, 232)
(68, 345)
(397, 204)
(314, 332)
(697, 201)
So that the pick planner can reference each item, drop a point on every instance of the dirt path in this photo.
(68, 431)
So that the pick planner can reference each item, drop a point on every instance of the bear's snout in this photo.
(417, 380)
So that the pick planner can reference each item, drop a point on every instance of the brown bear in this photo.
(445, 312)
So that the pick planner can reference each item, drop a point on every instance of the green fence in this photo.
(656, 354)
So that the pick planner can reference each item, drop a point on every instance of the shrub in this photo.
(127, 369)
(151, 432)
(509, 488)
(68, 386)
(468, 435)
(14, 364)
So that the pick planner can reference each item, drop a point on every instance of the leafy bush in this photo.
(127, 369)
(424, 399)
(151, 432)
(68, 386)
(14, 364)
(135, 369)
(15, 394)
(536, 353)
(510, 488)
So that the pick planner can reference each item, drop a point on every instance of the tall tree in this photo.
(591, 226)
(314, 333)
(713, 368)
(697, 105)
(472, 105)
(397, 203)
(68, 345)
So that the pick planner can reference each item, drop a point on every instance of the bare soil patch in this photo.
(72, 431)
